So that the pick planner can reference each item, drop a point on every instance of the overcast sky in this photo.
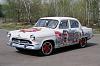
(2, 1)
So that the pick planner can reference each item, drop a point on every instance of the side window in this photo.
(74, 24)
(63, 24)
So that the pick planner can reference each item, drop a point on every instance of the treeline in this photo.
(87, 11)
(1, 13)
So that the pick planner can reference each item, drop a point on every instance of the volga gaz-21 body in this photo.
(50, 33)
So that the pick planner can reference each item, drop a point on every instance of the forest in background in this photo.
(29, 11)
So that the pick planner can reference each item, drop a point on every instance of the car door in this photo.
(62, 40)
(74, 32)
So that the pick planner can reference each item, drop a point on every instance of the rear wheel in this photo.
(47, 48)
(83, 42)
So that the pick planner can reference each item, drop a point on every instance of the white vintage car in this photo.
(50, 33)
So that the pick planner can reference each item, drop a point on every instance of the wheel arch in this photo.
(50, 40)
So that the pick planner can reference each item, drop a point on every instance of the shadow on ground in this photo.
(57, 51)
(71, 48)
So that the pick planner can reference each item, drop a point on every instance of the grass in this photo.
(14, 26)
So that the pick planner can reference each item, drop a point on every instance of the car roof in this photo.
(59, 18)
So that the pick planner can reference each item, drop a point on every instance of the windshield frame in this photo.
(47, 24)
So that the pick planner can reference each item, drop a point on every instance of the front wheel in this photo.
(83, 42)
(47, 48)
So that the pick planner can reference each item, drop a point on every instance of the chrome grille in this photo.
(21, 41)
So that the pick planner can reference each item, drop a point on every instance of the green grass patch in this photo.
(14, 26)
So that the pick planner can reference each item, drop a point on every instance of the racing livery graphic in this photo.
(50, 33)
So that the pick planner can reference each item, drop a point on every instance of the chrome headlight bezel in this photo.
(32, 37)
(9, 35)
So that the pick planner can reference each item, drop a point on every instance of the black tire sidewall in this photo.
(41, 50)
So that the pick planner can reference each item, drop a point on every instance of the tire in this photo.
(83, 42)
(47, 48)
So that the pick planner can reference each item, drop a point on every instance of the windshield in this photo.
(47, 23)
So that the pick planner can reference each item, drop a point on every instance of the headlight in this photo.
(9, 35)
(32, 37)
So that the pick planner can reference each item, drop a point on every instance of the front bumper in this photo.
(34, 46)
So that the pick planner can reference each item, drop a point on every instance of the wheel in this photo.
(83, 42)
(20, 49)
(47, 48)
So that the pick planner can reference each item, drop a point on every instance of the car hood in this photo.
(36, 31)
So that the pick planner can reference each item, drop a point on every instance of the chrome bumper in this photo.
(25, 46)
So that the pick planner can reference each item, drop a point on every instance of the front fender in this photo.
(46, 39)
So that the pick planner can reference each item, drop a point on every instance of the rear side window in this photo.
(63, 24)
(74, 24)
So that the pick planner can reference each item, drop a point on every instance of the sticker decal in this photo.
(62, 38)
(73, 36)
(65, 36)
(30, 30)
